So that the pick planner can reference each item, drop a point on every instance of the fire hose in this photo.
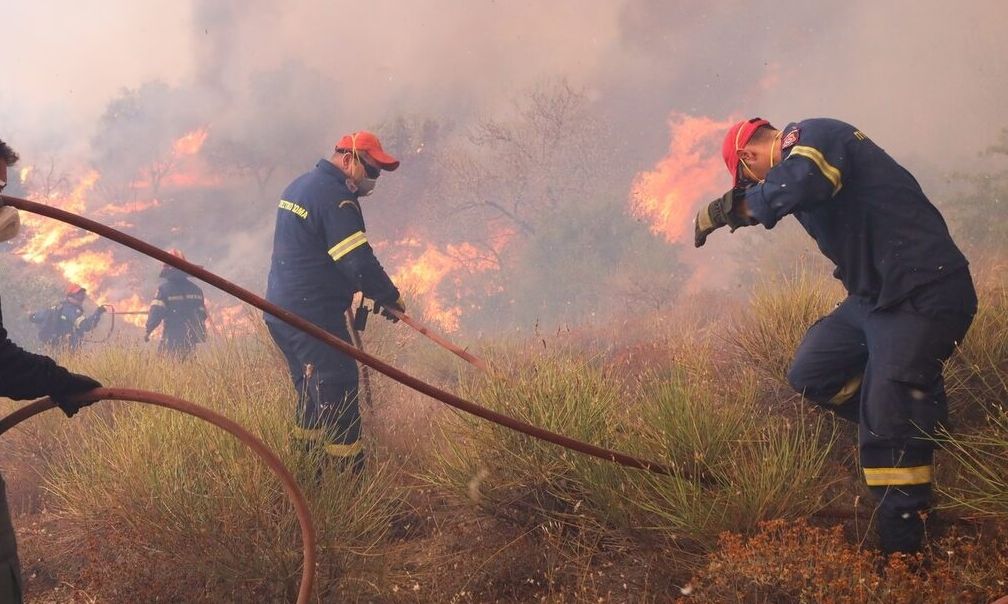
(333, 340)
(268, 457)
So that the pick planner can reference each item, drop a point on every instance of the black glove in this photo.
(73, 384)
(100, 311)
(718, 213)
(147, 337)
(383, 308)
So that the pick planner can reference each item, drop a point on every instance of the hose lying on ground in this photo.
(269, 458)
(333, 340)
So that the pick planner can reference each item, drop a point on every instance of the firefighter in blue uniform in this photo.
(65, 323)
(24, 375)
(179, 304)
(877, 358)
(321, 258)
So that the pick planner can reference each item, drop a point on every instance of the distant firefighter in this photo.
(179, 304)
(65, 323)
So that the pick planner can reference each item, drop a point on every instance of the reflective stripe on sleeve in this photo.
(830, 172)
(157, 303)
(347, 245)
(883, 477)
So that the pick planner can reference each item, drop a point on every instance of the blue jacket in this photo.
(321, 255)
(64, 324)
(867, 213)
(179, 303)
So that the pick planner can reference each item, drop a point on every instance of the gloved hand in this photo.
(718, 213)
(101, 310)
(72, 384)
(398, 305)
(147, 337)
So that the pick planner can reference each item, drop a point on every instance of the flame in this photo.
(183, 168)
(691, 172)
(89, 268)
(424, 273)
(25, 173)
(190, 143)
(117, 209)
(230, 319)
(132, 304)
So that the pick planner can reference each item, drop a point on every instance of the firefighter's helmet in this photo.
(73, 289)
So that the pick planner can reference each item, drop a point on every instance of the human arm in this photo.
(816, 159)
(155, 314)
(354, 257)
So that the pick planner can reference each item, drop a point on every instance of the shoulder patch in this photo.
(790, 138)
(351, 203)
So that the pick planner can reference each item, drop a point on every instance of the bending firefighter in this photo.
(64, 324)
(877, 359)
(178, 304)
(321, 258)
(26, 376)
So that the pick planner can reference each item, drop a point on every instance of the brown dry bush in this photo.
(794, 562)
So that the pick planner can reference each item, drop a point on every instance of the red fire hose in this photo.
(257, 446)
(331, 339)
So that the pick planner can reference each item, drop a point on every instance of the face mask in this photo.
(366, 186)
(10, 223)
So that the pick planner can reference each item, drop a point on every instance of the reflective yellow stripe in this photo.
(343, 450)
(307, 433)
(847, 391)
(882, 477)
(157, 303)
(347, 245)
(827, 169)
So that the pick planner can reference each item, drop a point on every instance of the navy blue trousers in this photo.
(882, 368)
(326, 384)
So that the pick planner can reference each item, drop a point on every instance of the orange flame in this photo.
(691, 172)
(423, 275)
(190, 143)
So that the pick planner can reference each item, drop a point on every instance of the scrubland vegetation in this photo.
(134, 503)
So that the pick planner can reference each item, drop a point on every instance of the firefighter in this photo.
(65, 323)
(877, 358)
(321, 258)
(26, 376)
(179, 304)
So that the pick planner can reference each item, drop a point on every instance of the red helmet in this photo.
(74, 289)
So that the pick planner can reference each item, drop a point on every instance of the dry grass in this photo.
(140, 503)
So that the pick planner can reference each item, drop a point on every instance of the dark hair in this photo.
(7, 154)
(762, 134)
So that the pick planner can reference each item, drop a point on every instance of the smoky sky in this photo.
(926, 78)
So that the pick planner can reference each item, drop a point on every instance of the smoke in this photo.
(113, 85)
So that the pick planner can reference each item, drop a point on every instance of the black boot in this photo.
(900, 530)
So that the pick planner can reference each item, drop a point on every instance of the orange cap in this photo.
(73, 288)
(736, 139)
(366, 141)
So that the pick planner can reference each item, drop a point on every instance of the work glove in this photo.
(718, 213)
(147, 337)
(100, 311)
(398, 305)
(73, 384)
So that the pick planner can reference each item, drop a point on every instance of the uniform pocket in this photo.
(908, 401)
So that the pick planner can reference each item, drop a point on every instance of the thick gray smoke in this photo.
(113, 85)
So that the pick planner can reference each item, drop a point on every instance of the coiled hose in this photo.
(268, 457)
